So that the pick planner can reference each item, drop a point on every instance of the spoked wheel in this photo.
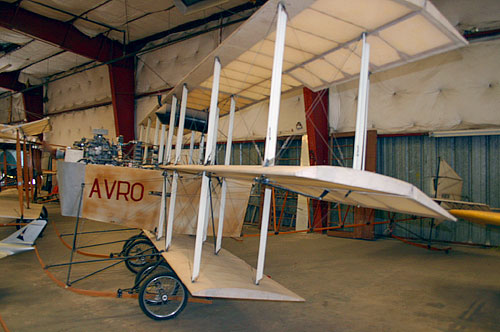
(150, 269)
(162, 296)
(140, 236)
(140, 248)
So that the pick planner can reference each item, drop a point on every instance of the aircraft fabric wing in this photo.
(335, 184)
(322, 47)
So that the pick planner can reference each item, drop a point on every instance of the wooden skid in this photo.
(221, 276)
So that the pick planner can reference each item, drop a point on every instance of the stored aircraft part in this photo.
(195, 120)
(99, 150)
(448, 183)
(163, 296)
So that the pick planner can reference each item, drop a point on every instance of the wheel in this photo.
(131, 240)
(162, 296)
(140, 247)
(149, 269)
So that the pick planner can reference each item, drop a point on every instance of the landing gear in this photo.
(150, 269)
(140, 248)
(162, 296)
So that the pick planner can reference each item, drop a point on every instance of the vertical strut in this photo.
(211, 140)
(227, 161)
(191, 148)
(362, 112)
(178, 148)
(146, 142)
(161, 149)
(171, 126)
(272, 131)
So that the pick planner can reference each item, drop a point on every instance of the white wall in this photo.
(458, 89)
(86, 88)
(72, 126)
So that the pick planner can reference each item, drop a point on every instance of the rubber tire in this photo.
(129, 241)
(136, 267)
(146, 271)
(145, 285)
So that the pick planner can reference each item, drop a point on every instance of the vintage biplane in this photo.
(20, 181)
(448, 193)
(284, 46)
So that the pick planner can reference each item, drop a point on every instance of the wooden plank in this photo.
(221, 276)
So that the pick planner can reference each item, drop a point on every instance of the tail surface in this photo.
(28, 234)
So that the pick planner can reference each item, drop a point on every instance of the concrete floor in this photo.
(348, 285)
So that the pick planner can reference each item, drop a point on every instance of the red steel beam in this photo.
(61, 34)
(33, 98)
(33, 103)
(99, 48)
(316, 107)
(10, 81)
(122, 82)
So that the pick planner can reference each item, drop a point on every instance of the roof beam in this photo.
(99, 48)
(10, 80)
(33, 98)
(58, 33)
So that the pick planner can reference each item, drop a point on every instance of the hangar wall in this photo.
(72, 126)
(475, 158)
(454, 90)
(14, 104)
(414, 159)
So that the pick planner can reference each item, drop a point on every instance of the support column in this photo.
(122, 82)
(204, 197)
(178, 149)
(316, 108)
(33, 104)
(358, 159)
(272, 131)
(227, 161)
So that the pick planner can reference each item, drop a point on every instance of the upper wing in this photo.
(322, 47)
(336, 184)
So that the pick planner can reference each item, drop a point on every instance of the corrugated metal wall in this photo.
(475, 158)
(413, 159)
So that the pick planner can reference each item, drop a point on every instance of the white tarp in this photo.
(454, 90)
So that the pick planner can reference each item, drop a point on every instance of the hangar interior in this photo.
(110, 65)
